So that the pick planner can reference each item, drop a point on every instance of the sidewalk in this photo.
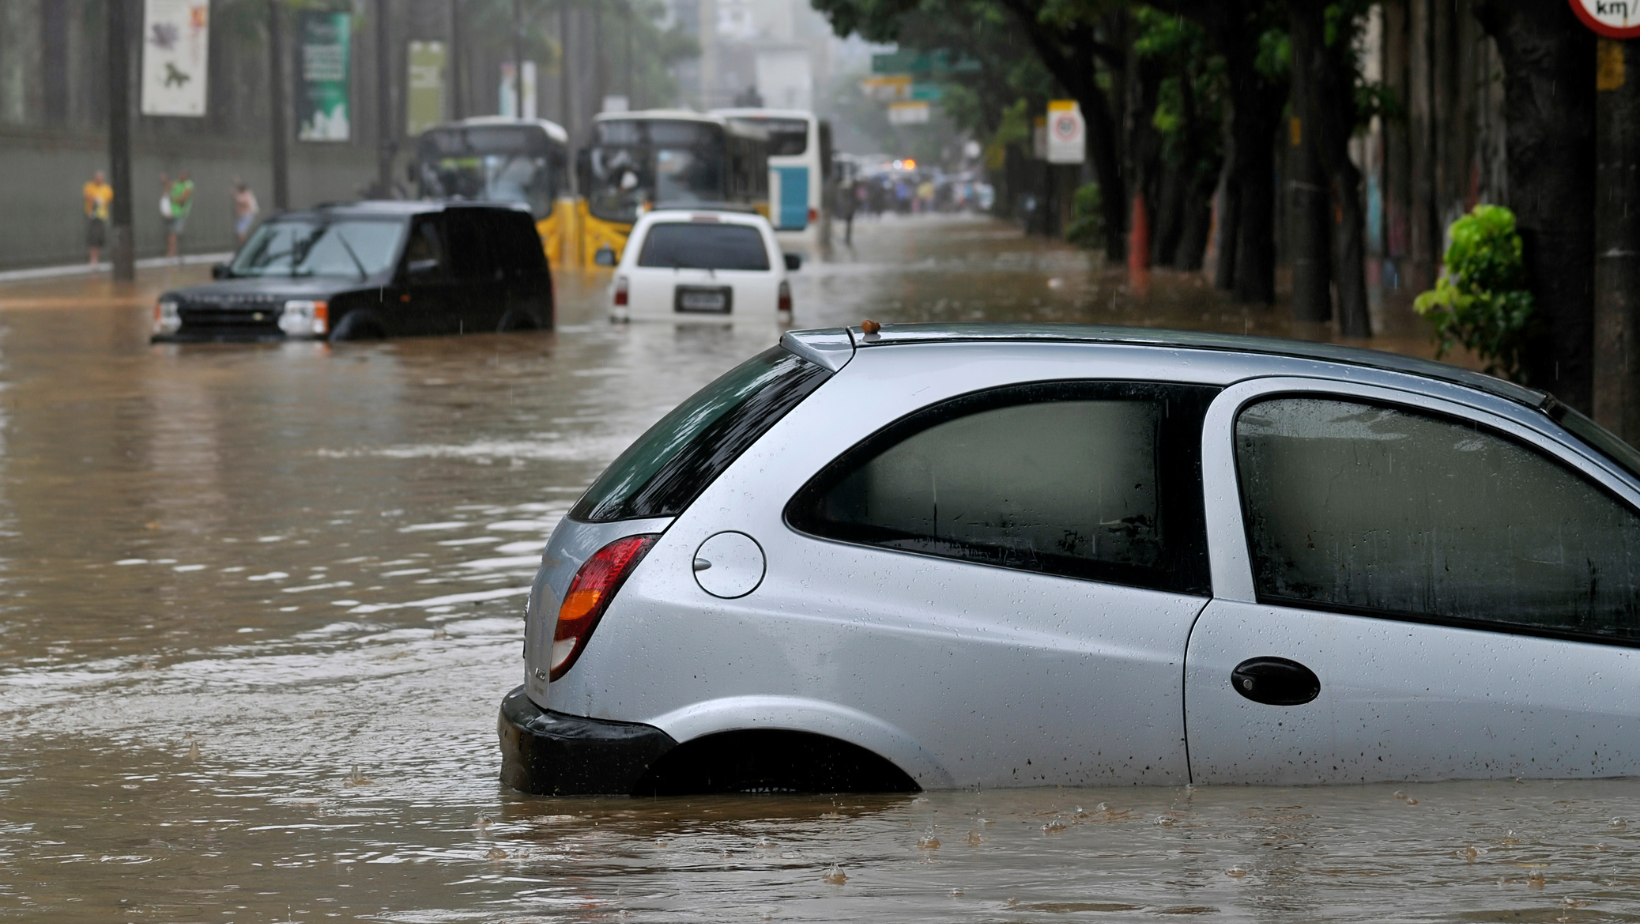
(86, 269)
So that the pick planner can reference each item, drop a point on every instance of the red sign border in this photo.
(1611, 32)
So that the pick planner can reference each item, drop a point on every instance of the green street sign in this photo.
(907, 61)
(932, 92)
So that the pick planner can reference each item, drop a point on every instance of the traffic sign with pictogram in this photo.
(1615, 19)
(1065, 132)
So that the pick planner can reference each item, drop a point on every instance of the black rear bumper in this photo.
(552, 754)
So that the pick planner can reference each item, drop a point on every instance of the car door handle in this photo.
(1275, 681)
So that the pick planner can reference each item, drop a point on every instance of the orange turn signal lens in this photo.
(589, 596)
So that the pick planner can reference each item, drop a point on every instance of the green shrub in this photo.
(1481, 299)
(1087, 227)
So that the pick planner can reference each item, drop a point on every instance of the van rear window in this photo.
(699, 245)
(666, 469)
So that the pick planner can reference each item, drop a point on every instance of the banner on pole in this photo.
(426, 83)
(509, 90)
(175, 49)
(323, 103)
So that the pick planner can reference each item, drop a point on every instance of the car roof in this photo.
(832, 347)
(756, 113)
(705, 214)
(553, 129)
(677, 115)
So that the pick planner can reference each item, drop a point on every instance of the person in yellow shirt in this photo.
(98, 195)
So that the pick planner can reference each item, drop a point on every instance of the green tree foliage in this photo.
(1481, 299)
(1087, 227)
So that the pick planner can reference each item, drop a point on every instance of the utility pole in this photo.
(276, 103)
(1617, 237)
(565, 117)
(518, 59)
(123, 251)
(458, 108)
(384, 104)
(631, 24)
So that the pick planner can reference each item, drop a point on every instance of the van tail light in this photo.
(589, 595)
(785, 296)
(814, 215)
(620, 291)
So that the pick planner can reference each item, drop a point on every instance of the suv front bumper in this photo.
(552, 754)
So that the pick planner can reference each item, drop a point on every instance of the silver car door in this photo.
(1408, 589)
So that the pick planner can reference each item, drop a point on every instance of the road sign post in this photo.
(1616, 212)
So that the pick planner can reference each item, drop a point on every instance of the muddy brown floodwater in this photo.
(259, 604)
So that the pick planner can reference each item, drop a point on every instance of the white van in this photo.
(702, 265)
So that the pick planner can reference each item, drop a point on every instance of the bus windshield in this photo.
(633, 163)
(489, 164)
(787, 137)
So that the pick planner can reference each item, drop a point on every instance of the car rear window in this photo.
(701, 245)
(667, 468)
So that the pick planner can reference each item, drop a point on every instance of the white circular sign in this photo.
(1618, 19)
(1066, 127)
(729, 565)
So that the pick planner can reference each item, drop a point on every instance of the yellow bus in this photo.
(501, 159)
(664, 158)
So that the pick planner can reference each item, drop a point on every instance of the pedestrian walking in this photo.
(245, 209)
(98, 196)
(181, 197)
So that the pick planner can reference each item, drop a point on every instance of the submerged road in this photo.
(259, 604)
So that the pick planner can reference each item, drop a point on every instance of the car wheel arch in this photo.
(359, 324)
(816, 717)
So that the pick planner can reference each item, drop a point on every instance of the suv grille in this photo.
(248, 313)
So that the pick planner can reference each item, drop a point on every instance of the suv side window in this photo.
(1360, 507)
(471, 255)
(1096, 480)
(425, 247)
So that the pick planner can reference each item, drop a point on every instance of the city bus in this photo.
(501, 159)
(662, 158)
(799, 164)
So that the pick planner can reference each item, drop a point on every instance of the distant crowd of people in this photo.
(176, 203)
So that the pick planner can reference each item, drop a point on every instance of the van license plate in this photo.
(702, 300)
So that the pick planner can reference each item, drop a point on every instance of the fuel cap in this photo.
(729, 565)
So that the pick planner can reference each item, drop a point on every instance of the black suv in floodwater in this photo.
(370, 270)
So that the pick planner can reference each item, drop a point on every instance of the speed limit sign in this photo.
(1616, 19)
(1065, 131)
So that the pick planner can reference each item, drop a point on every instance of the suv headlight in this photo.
(166, 319)
(304, 318)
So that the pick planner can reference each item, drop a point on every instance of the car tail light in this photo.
(589, 595)
(785, 296)
(813, 216)
(620, 291)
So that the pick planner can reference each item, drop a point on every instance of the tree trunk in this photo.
(1548, 101)
(1309, 219)
(1224, 267)
(1252, 127)
(1350, 252)
(1198, 224)
(1326, 75)
(1170, 215)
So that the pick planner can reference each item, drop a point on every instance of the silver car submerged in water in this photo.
(937, 556)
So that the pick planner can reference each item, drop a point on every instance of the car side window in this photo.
(1362, 507)
(1092, 480)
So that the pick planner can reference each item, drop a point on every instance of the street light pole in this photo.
(276, 103)
(518, 59)
(458, 109)
(384, 104)
(123, 251)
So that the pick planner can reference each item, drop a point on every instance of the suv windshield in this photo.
(667, 468)
(356, 247)
(701, 245)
